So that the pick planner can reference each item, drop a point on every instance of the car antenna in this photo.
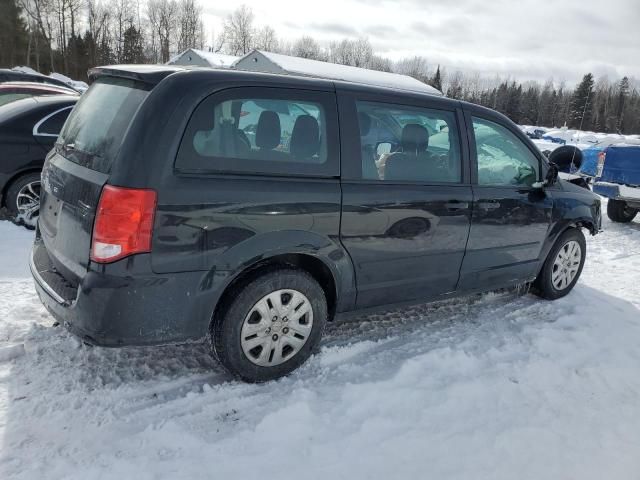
(584, 111)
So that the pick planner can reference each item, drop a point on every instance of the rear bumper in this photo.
(132, 310)
(617, 192)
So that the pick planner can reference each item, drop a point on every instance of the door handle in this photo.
(488, 205)
(456, 205)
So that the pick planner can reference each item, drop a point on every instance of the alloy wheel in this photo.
(28, 203)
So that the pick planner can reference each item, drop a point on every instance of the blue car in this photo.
(617, 177)
(561, 141)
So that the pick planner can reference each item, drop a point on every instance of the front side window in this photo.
(503, 159)
(402, 143)
(272, 132)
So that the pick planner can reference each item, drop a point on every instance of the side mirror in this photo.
(552, 174)
(550, 179)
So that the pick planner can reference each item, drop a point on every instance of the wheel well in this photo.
(310, 264)
(9, 182)
(584, 224)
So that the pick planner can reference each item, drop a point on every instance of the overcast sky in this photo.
(525, 39)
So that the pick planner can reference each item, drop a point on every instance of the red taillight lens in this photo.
(602, 156)
(123, 224)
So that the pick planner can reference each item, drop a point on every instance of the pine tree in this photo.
(455, 87)
(132, 48)
(501, 99)
(581, 104)
(530, 105)
(514, 100)
(545, 105)
(436, 80)
(13, 34)
(623, 94)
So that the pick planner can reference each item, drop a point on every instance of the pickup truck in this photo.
(617, 177)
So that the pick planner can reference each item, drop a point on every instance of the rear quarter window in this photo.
(97, 125)
(262, 131)
(54, 122)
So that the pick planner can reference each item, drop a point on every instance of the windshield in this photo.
(95, 129)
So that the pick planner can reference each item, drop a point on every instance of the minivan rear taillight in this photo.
(602, 156)
(123, 224)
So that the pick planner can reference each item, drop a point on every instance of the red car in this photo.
(10, 91)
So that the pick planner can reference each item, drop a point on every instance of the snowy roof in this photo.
(76, 84)
(314, 68)
(215, 60)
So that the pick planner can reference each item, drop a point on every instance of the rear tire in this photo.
(23, 200)
(271, 327)
(619, 211)
(563, 266)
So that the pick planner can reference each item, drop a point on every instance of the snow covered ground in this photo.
(578, 138)
(498, 386)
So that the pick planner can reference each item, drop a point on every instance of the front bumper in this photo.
(116, 311)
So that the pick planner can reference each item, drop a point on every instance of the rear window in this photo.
(95, 129)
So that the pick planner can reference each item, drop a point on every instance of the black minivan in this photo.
(250, 209)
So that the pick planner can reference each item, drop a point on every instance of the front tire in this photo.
(271, 327)
(619, 211)
(23, 200)
(563, 266)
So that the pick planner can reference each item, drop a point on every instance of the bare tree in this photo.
(98, 22)
(416, 67)
(453, 85)
(190, 26)
(307, 47)
(239, 32)
(380, 63)
(357, 53)
(41, 12)
(162, 17)
(362, 52)
(123, 17)
(266, 39)
(217, 41)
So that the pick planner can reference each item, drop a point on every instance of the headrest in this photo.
(364, 121)
(268, 130)
(415, 138)
(305, 137)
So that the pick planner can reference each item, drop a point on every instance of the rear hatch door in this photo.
(79, 166)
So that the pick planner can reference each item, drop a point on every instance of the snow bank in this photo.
(579, 138)
(499, 386)
(9, 352)
(15, 241)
